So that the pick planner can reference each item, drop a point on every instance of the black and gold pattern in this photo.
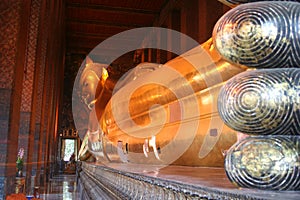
(268, 162)
(262, 102)
(237, 2)
(260, 35)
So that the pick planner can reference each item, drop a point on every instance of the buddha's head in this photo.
(89, 81)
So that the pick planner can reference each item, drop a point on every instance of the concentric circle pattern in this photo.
(260, 35)
(268, 162)
(262, 102)
(236, 2)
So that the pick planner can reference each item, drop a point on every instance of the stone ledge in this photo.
(172, 182)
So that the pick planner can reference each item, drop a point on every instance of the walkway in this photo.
(62, 187)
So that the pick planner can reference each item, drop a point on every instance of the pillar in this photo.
(32, 60)
(13, 33)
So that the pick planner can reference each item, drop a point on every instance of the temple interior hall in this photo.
(110, 99)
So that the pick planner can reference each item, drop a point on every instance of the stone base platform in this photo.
(129, 181)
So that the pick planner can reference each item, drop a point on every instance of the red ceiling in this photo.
(89, 22)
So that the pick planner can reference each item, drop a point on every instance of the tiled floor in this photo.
(60, 187)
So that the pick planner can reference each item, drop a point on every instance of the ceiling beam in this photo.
(103, 51)
(111, 8)
(78, 42)
(107, 56)
(91, 44)
(103, 23)
(94, 29)
(100, 36)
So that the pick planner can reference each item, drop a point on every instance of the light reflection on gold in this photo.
(225, 2)
(205, 78)
(104, 74)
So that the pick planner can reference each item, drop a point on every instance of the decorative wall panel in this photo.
(24, 123)
(30, 56)
(23, 138)
(4, 103)
(3, 131)
(3, 141)
(73, 63)
(9, 33)
(42, 65)
(9, 20)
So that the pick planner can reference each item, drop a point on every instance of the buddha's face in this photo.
(88, 84)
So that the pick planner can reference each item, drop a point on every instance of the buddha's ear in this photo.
(88, 60)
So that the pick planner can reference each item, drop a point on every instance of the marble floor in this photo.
(62, 186)
(65, 186)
